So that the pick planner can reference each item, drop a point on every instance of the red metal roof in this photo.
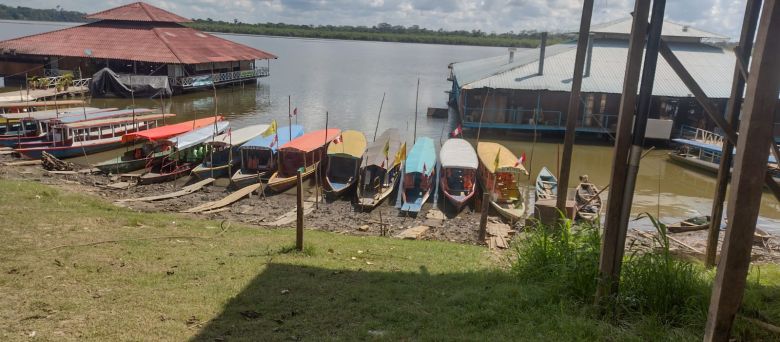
(312, 141)
(156, 42)
(165, 132)
(138, 11)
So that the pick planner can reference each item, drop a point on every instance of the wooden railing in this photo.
(220, 78)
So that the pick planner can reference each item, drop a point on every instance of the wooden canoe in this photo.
(690, 225)
(419, 175)
(380, 169)
(259, 156)
(499, 175)
(345, 154)
(459, 165)
(305, 152)
(546, 185)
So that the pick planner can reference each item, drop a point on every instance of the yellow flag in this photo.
(387, 149)
(400, 156)
(271, 130)
(495, 163)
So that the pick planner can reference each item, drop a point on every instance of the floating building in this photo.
(136, 39)
(529, 90)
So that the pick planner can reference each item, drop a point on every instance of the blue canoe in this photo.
(419, 175)
(258, 156)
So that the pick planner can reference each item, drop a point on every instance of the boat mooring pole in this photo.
(484, 215)
(381, 104)
(749, 23)
(574, 103)
(289, 114)
(416, 101)
(299, 213)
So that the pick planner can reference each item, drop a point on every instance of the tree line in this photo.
(381, 32)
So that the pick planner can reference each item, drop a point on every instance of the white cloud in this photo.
(720, 16)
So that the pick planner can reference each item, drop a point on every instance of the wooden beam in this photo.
(613, 239)
(743, 51)
(574, 102)
(750, 167)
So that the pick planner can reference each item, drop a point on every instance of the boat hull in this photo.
(63, 152)
(510, 211)
(370, 202)
(155, 177)
(278, 183)
(240, 179)
(203, 172)
(15, 140)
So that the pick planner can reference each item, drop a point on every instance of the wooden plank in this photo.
(749, 23)
(413, 233)
(291, 216)
(55, 172)
(23, 163)
(749, 176)
(184, 191)
(614, 237)
(574, 102)
(227, 200)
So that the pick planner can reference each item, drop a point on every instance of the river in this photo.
(347, 79)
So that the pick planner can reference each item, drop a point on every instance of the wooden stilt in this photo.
(613, 239)
(750, 166)
(574, 103)
(749, 23)
(299, 212)
(483, 218)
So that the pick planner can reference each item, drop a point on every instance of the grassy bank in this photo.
(76, 267)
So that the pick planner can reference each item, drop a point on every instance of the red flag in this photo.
(520, 160)
(273, 142)
(339, 139)
(457, 131)
(382, 165)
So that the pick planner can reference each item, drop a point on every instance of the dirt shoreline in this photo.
(339, 215)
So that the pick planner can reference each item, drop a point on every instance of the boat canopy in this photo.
(421, 157)
(102, 115)
(713, 148)
(375, 154)
(198, 136)
(165, 132)
(284, 133)
(239, 136)
(352, 144)
(54, 113)
(115, 121)
(458, 153)
(312, 141)
(506, 159)
(34, 104)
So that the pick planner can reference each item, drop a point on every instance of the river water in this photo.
(347, 79)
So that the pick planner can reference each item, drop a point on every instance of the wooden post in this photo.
(574, 103)
(483, 218)
(299, 220)
(749, 23)
(750, 165)
(613, 239)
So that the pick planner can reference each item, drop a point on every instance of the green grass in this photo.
(169, 277)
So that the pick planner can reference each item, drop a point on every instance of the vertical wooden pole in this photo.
(483, 218)
(574, 103)
(299, 212)
(749, 23)
(750, 165)
(613, 240)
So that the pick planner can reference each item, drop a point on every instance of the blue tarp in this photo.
(422, 156)
(284, 136)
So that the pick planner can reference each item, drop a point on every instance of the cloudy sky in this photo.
(720, 16)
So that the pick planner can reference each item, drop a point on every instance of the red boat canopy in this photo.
(169, 131)
(312, 141)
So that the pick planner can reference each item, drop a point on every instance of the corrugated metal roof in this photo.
(670, 29)
(710, 66)
(135, 41)
(138, 11)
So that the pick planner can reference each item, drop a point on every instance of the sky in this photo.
(718, 16)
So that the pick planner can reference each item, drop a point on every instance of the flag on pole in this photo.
(270, 130)
(457, 131)
(339, 139)
(294, 112)
(496, 162)
(400, 156)
(520, 160)
(386, 149)
(275, 141)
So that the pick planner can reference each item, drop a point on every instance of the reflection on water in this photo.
(348, 78)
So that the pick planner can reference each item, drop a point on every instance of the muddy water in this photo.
(348, 79)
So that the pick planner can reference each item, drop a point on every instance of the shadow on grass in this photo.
(298, 302)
